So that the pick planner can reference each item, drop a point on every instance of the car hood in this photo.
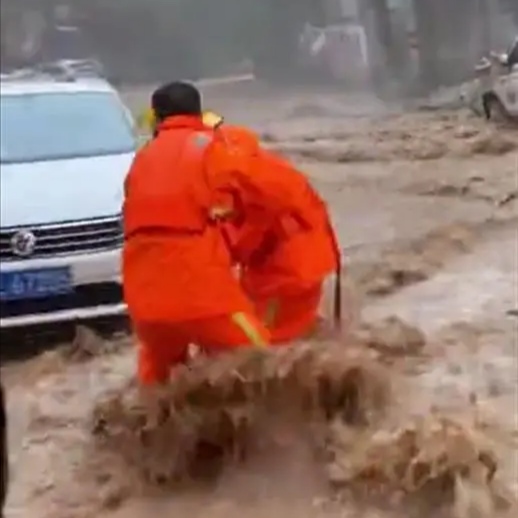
(62, 190)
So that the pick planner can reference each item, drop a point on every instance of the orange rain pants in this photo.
(292, 316)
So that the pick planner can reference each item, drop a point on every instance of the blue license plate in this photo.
(35, 284)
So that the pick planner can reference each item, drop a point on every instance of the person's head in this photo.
(176, 98)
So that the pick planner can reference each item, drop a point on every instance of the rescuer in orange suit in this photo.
(177, 273)
(284, 260)
(178, 276)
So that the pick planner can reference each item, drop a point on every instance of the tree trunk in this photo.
(385, 35)
(427, 36)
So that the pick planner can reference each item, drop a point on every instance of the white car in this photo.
(494, 93)
(65, 148)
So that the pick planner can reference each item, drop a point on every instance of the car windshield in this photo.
(53, 126)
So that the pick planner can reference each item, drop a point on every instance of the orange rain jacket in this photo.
(176, 265)
(176, 262)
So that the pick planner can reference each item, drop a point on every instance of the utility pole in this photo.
(385, 34)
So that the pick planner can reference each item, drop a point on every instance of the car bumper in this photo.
(63, 316)
(96, 279)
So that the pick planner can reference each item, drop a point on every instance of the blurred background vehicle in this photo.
(494, 92)
(500, 98)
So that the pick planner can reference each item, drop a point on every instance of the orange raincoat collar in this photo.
(193, 122)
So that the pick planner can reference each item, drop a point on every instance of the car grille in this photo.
(78, 237)
(85, 296)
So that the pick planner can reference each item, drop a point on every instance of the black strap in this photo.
(4, 460)
(337, 295)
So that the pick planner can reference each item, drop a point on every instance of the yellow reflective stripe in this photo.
(243, 322)
(146, 119)
(270, 315)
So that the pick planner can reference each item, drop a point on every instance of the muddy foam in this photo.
(328, 408)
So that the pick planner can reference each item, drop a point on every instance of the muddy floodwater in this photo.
(426, 208)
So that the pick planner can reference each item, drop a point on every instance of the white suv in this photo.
(65, 148)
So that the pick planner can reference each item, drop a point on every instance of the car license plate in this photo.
(35, 284)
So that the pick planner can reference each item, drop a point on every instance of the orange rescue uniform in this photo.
(178, 275)
(177, 271)
(285, 257)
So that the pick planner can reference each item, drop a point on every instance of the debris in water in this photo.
(417, 262)
(391, 336)
(397, 138)
(214, 407)
(219, 413)
(87, 344)
(431, 463)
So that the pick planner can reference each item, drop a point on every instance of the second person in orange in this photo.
(284, 258)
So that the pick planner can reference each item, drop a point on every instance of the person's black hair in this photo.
(176, 98)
